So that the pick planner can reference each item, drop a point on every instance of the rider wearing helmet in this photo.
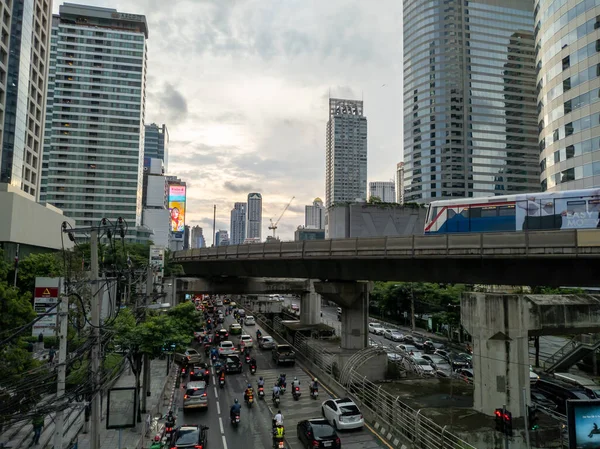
(235, 409)
(170, 421)
(314, 385)
(261, 382)
(276, 390)
(249, 392)
(295, 382)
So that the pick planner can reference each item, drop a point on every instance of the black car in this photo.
(221, 335)
(200, 371)
(233, 364)
(189, 436)
(430, 347)
(318, 433)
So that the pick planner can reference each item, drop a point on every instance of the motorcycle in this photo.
(213, 358)
(252, 369)
(247, 358)
(296, 393)
(279, 444)
(183, 373)
(250, 400)
(206, 349)
(168, 431)
(235, 420)
(276, 401)
(261, 392)
(221, 382)
(314, 393)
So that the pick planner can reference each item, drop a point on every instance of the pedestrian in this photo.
(51, 355)
(41, 338)
(38, 424)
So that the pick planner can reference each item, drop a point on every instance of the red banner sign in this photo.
(46, 292)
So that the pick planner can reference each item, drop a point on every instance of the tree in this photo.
(374, 200)
(38, 264)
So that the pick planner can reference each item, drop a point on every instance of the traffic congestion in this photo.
(239, 387)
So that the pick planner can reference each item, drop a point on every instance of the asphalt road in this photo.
(254, 431)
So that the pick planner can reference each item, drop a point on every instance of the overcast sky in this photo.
(243, 86)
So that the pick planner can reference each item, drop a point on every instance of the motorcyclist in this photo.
(156, 442)
(314, 385)
(278, 418)
(222, 373)
(278, 432)
(214, 353)
(170, 421)
(295, 383)
(258, 334)
(235, 409)
(276, 390)
(282, 380)
(249, 392)
(252, 362)
(261, 382)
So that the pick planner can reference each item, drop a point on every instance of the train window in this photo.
(489, 212)
(576, 206)
(451, 213)
(465, 212)
(434, 212)
(594, 205)
(475, 212)
(506, 211)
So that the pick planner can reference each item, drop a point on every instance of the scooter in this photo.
(213, 358)
(235, 420)
(250, 400)
(276, 401)
(296, 393)
(247, 358)
(221, 382)
(252, 369)
(261, 392)
(279, 444)
(314, 393)
(168, 432)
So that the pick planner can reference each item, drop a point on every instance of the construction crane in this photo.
(274, 225)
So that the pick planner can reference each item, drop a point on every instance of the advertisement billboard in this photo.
(583, 417)
(45, 299)
(177, 208)
(157, 259)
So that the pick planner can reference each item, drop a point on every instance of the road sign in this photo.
(46, 296)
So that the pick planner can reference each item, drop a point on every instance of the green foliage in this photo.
(374, 200)
(16, 309)
(556, 291)
(14, 361)
(34, 265)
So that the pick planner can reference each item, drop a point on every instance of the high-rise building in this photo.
(346, 154)
(186, 237)
(155, 212)
(238, 223)
(384, 190)
(314, 215)
(400, 183)
(93, 149)
(470, 125)
(156, 143)
(24, 51)
(198, 240)
(221, 238)
(568, 80)
(254, 220)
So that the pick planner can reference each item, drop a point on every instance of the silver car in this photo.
(266, 342)
(196, 395)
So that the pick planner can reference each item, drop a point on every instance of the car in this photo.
(196, 395)
(408, 349)
(438, 363)
(189, 356)
(533, 376)
(266, 342)
(374, 343)
(235, 329)
(394, 357)
(466, 374)
(376, 328)
(318, 433)
(221, 335)
(249, 321)
(342, 414)
(190, 436)
(387, 333)
(246, 341)
(199, 371)
(219, 303)
(430, 346)
(241, 312)
(233, 364)
(226, 348)
(226, 301)
(539, 399)
(199, 334)
(422, 366)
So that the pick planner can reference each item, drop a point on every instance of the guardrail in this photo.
(384, 411)
(567, 243)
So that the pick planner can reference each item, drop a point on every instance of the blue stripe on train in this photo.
(458, 223)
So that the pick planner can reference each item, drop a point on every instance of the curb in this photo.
(384, 433)
(173, 389)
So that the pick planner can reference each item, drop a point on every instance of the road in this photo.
(254, 431)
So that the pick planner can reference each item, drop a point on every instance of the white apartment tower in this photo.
(346, 152)
(238, 223)
(254, 220)
(400, 183)
(384, 190)
(198, 240)
(24, 54)
(94, 144)
(314, 215)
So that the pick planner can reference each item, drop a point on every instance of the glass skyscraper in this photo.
(567, 37)
(470, 125)
(238, 223)
(254, 217)
(25, 34)
(93, 152)
(156, 143)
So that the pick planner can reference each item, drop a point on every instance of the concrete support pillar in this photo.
(498, 324)
(310, 306)
(353, 298)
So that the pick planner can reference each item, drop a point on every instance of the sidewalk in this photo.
(20, 436)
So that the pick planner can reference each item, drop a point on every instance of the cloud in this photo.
(172, 103)
(238, 188)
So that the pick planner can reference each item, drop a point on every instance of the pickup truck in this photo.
(284, 354)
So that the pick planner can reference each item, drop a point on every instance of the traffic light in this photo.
(532, 419)
(499, 416)
(508, 423)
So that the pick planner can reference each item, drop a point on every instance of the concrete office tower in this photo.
(238, 223)
(254, 220)
(346, 158)
(314, 215)
(93, 153)
(156, 143)
(186, 237)
(198, 240)
(470, 124)
(221, 238)
(384, 190)
(155, 213)
(568, 51)
(400, 183)
(24, 54)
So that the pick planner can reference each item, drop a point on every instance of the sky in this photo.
(243, 87)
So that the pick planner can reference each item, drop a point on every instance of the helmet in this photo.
(235, 401)
(260, 378)
(157, 438)
(315, 379)
(249, 385)
(295, 378)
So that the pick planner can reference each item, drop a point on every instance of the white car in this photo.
(249, 321)
(393, 334)
(219, 303)
(246, 341)
(376, 328)
(409, 350)
(342, 414)
(226, 348)
(423, 366)
(267, 342)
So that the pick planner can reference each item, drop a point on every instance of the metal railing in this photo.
(379, 407)
(591, 341)
(567, 243)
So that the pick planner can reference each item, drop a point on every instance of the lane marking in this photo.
(218, 408)
(214, 380)
(216, 393)
(221, 426)
(224, 442)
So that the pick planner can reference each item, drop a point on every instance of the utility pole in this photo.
(96, 307)
(16, 265)
(146, 360)
(412, 308)
(214, 223)
(61, 370)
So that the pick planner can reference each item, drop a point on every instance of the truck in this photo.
(284, 354)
